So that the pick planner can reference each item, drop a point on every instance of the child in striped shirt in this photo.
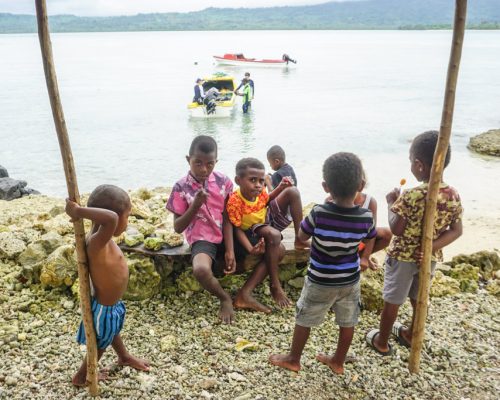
(337, 228)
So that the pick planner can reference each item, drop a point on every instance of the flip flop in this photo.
(369, 340)
(396, 331)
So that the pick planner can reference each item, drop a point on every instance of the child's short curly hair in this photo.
(424, 145)
(109, 197)
(205, 144)
(245, 163)
(276, 152)
(343, 173)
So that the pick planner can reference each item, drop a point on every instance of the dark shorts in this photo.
(214, 250)
(277, 218)
(239, 251)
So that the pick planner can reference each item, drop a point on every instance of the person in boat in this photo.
(287, 59)
(247, 95)
(199, 92)
(250, 81)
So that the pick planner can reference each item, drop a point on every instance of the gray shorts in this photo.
(401, 280)
(316, 300)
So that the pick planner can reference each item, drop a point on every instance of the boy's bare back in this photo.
(108, 271)
(107, 265)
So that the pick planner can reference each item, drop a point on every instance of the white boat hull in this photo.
(237, 63)
(220, 112)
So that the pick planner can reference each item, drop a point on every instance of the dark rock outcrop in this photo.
(11, 189)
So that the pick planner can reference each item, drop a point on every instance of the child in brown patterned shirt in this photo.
(406, 214)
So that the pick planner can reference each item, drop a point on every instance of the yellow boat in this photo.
(224, 102)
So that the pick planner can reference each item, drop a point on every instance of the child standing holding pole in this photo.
(406, 213)
(108, 208)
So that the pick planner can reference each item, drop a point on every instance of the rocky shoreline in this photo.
(11, 189)
(172, 322)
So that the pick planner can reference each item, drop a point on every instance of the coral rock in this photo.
(60, 268)
(487, 261)
(467, 275)
(10, 246)
(486, 143)
(140, 209)
(144, 281)
(372, 283)
(186, 282)
(443, 285)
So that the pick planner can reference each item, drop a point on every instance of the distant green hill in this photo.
(363, 14)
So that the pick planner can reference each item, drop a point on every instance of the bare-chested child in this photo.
(108, 208)
(198, 203)
(259, 218)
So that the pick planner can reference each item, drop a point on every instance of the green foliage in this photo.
(363, 14)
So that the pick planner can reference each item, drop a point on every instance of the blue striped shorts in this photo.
(108, 322)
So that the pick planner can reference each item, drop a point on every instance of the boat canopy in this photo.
(221, 83)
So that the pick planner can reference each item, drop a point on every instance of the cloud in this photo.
(131, 7)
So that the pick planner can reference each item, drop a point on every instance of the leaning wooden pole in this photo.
(434, 182)
(71, 183)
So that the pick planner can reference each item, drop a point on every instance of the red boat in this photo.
(240, 59)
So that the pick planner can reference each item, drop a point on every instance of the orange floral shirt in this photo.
(244, 213)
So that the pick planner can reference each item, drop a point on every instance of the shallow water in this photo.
(369, 92)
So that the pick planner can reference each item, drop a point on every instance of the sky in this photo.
(131, 7)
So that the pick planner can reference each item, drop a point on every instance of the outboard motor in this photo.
(209, 101)
(210, 105)
(287, 58)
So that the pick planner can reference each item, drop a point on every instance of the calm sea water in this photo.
(369, 92)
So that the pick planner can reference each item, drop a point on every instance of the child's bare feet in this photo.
(280, 297)
(226, 311)
(285, 361)
(131, 361)
(248, 302)
(299, 244)
(328, 360)
(80, 378)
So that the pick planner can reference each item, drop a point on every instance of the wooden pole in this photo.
(434, 182)
(71, 183)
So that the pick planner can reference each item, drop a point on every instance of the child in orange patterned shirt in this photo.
(259, 218)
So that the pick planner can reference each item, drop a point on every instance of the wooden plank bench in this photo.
(183, 253)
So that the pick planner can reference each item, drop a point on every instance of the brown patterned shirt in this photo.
(411, 206)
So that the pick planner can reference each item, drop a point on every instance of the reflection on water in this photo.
(246, 131)
(362, 91)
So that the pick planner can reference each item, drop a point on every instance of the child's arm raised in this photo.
(396, 222)
(287, 181)
(181, 222)
(105, 219)
(269, 183)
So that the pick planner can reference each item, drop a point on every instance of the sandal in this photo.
(396, 331)
(369, 340)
